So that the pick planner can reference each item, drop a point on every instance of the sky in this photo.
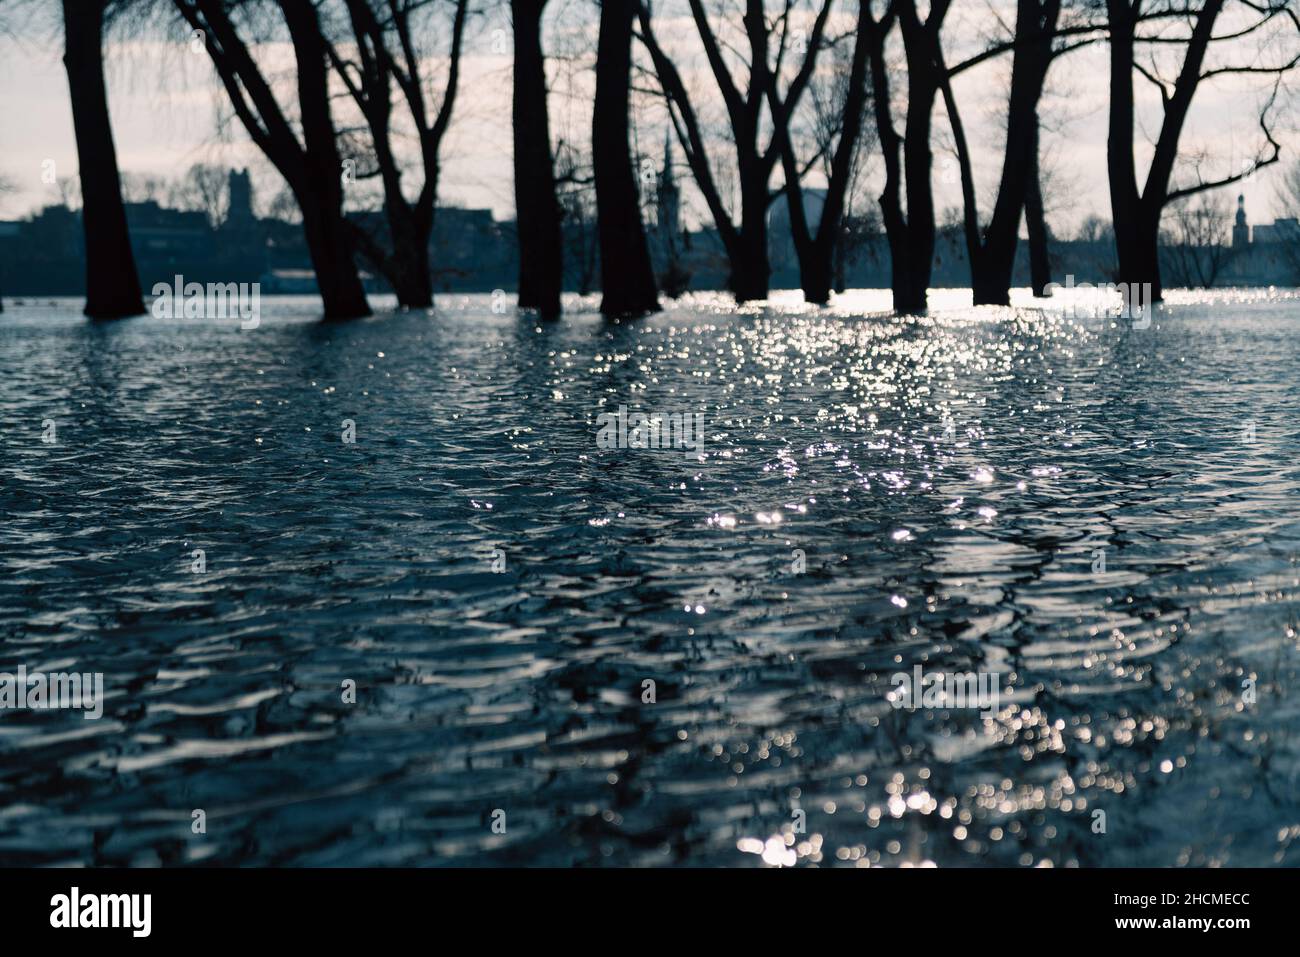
(166, 108)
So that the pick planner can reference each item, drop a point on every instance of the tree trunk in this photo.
(1040, 264)
(912, 275)
(993, 255)
(626, 276)
(841, 259)
(112, 283)
(321, 183)
(912, 280)
(408, 271)
(905, 277)
(541, 266)
(1136, 232)
(990, 278)
(751, 271)
(1144, 262)
(817, 271)
(910, 272)
(1125, 200)
(406, 265)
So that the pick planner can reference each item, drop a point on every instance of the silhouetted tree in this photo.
(746, 243)
(910, 234)
(1137, 212)
(537, 210)
(817, 249)
(992, 250)
(1196, 243)
(112, 283)
(312, 167)
(1040, 262)
(575, 192)
(204, 188)
(830, 102)
(627, 279)
(384, 32)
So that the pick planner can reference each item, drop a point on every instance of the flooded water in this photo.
(1104, 517)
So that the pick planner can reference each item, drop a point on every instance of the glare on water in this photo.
(1104, 515)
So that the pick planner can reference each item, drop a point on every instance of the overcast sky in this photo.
(165, 107)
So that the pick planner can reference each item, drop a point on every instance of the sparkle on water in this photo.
(1106, 516)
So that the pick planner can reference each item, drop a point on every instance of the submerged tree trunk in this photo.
(992, 254)
(745, 243)
(312, 168)
(409, 272)
(751, 272)
(821, 253)
(911, 234)
(385, 55)
(112, 283)
(1040, 264)
(913, 273)
(626, 277)
(1136, 213)
(328, 241)
(1136, 229)
(541, 266)
(817, 272)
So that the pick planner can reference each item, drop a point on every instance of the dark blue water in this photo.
(949, 482)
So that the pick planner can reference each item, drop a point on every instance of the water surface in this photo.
(873, 493)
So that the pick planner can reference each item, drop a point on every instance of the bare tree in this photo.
(745, 242)
(311, 166)
(205, 188)
(837, 141)
(537, 209)
(387, 54)
(830, 105)
(1196, 242)
(575, 193)
(146, 188)
(627, 279)
(112, 283)
(992, 249)
(1138, 211)
(907, 157)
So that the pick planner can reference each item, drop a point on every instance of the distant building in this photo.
(1240, 229)
(1285, 230)
(668, 197)
(470, 250)
(239, 211)
(1282, 231)
(1262, 255)
(167, 234)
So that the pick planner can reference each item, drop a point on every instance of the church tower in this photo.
(668, 197)
(239, 213)
(1241, 231)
